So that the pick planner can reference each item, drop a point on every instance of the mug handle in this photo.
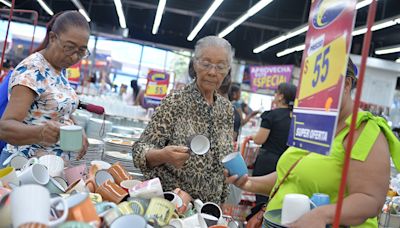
(65, 211)
(30, 162)
(90, 185)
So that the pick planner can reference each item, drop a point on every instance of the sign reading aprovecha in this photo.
(323, 70)
(269, 77)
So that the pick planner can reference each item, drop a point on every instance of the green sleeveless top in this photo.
(317, 173)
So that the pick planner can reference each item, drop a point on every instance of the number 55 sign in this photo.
(322, 76)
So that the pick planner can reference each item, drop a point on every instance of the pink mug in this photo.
(75, 173)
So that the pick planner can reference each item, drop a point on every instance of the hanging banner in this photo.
(323, 70)
(269, 77)
(156, 88)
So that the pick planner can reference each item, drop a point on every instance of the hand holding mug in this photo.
(243, 182)
(49, 133)
(177, 155)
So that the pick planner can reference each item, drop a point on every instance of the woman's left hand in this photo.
(312, 219)
(85, 145)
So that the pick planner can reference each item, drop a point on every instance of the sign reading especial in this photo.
(269, 77)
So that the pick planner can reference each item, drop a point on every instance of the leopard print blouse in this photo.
(182, 114)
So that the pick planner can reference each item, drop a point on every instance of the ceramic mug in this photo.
(8, 175)
(33, 225)
(186, 199)
(129, 184)
(77, 186)
(18, 162)
(35, 174)
(27, 209)
(54, 187)
(294, 206)
(81, 208)
(101, 164)
(119, 173)
(110, 216)
(112, 192)
(198, 144)
(75, 173)
(54, 164)
(71, 138)
(102, 176)
(173, 198)
(161, 211)
(103, 207)
(147, 189)
(128, 221)
(139, 205)
(61, 181)
(209, 212)
(126, 208)
(5, 207)
(235, 164)
(95, 198)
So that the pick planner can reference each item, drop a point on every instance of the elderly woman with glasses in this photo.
(195, 110)
(41, 98)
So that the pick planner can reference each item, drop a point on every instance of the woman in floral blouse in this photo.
(196, 109)
(40, 96)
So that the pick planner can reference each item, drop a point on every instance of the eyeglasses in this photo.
(70, 49)
(220, 67)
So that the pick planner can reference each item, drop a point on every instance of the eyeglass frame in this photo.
(213, 65)
(74, 50)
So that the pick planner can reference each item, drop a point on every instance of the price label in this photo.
(156, 90)
(323, 68)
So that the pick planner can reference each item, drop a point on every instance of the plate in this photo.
(273, 218)
(119, 155)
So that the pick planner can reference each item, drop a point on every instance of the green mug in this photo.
(71, 138)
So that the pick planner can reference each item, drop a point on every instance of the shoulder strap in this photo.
(275, 190)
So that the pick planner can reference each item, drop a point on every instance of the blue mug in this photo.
(235, 164)
(320, 199)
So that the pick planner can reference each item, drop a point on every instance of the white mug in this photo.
(34, 174)
(54, 164)
(31, 203)
(294, 206)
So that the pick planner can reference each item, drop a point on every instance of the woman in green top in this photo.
(368, 178)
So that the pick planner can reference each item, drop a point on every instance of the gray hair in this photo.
(213, 41)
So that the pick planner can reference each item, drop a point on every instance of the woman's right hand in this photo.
(176, 155)
(49, 133)
(243, 182)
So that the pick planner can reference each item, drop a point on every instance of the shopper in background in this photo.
(368, 178)
(195, 110)
(234, 96)
(135, 92)
(41, 98)
(273, 133)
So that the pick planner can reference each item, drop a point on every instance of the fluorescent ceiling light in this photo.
(83, 12)
(120, 12)
(280, 39)
(359, 31)
(363, 3)
(157, 19)
(81, 9)
(253, 10)
(5, 2)
(291, 50)
(387, 50)
(382, 25)
(204, 19)
(302, 29)
(45, 7)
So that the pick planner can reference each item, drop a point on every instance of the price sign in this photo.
(324, 64)
(320, 70)
(157, 86)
